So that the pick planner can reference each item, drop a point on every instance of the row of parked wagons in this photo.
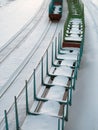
(56, 8)
(51, 104)
(50, 110)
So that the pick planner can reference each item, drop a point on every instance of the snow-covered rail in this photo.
(51, 29)
(63, 73)
(21, 67)
(6, 78)
(61, 79)
(19, 38)
(38, 53)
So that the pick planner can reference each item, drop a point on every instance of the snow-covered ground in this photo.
(14, 15)
(16, 58)
(95, 2)
(83, 114)
(17, 87)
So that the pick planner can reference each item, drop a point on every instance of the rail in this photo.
(21, 35)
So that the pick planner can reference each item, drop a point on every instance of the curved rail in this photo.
(19, 69)
(18, 39)
(28, 58)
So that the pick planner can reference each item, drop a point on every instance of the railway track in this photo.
(17, 44)
(25, 61)
(49, 31)
(19, 38)
(47, 34)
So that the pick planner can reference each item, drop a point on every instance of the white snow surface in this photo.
(57, 9)
(73, 37)
(40, 122)
(95, 2)
(60, 80)
(15, 15)
(68, 62)
(83, 114)
(68, 56)
(71, 51)
(17, 86)
(12, 62)
(63, 70)
(56, 92)
(50, 107)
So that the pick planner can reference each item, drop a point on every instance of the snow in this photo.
(16, 87)
(73, 37)
(56, 92)
(74, 32)
(50, 107)
(14, 16)
(95, 2)
(40, 122)
(12, 63)
(21, 52)
(22, 15)
(60, 80)
(68, 62)
(57, 9)
(68, 56)
(83, 114)
(76, 20)
(3, 2)
(62, 70)
(71, 51)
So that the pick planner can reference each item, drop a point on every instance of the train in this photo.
(59, 81)
(74, 29)
(55, 10)
(51, 105)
